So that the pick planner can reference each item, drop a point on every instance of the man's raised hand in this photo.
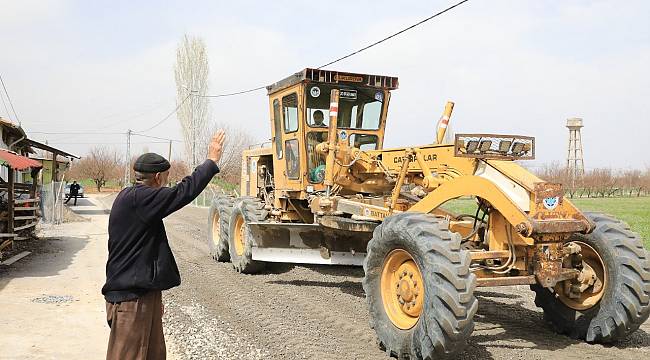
(216, 146)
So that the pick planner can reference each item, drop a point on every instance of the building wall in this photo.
(46, 172)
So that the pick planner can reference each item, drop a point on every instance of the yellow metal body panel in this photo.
(470, 185)
(249, 175)
(516, 172)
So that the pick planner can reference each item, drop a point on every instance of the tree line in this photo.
(106, 166)
(598, 182)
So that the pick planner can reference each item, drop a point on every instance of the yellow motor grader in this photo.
(327, 192)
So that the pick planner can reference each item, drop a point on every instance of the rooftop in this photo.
(335, 77)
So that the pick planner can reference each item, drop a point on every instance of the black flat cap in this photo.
(151, 163)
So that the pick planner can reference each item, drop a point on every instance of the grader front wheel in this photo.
(419, 289)
(244, 211)
(611, 297)
(402, 289)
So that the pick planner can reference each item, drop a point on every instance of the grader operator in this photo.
(327, 192)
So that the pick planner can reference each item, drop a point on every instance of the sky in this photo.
(511, 67)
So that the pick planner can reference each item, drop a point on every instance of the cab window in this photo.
(277, 125)
(315, 161)
(290, 112)
(293, 159)
(359, 108)
(364, 141)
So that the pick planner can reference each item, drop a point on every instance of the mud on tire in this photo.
(251, 210)
(446, 318)
(625, 304)
(218, 218)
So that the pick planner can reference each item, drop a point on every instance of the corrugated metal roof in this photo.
(16, 161)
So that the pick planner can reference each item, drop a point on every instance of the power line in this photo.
(4, 104)
(393, 35)
(350, 54)
(154, 137)
(9, 98)
(76, 133)
(233, 93)
(168, 116)
(107, 143)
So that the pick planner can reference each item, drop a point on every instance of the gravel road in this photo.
(319, 312)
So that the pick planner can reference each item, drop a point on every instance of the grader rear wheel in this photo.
(419, 289)
(240, 242)
(592, 280)
(613, 297)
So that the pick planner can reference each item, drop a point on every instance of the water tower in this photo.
(575, 162)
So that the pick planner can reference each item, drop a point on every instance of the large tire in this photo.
(219, 227)
(445, 320)
(244, 211)
(625, 302)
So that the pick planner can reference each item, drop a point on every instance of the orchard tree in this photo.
(101, 165)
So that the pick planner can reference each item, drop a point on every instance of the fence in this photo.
(52, 196)
(206, 196)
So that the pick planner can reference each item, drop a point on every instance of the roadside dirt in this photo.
(319, 312)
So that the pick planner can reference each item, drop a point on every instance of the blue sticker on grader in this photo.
(551, 202)
(343, 135)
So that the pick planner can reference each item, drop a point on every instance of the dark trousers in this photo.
(136, 328)
(72, 196)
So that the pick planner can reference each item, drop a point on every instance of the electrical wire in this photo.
(75, 133)
(4, 104)
(393, 35)
(9, 99)
(350, 54)
(107, 143)
(154, 137)
(168, 116)
(233, 93)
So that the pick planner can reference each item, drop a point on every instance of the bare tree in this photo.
(645, 181)
(101, 165)
(178, 171)
(191, 72)
(556, 173)
(631, 182)
(237, 140)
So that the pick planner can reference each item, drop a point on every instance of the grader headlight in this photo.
(493, 146)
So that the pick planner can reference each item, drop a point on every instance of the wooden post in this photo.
(55, 167)
(10, 200)
(32, 190)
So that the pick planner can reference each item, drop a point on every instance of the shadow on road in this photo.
(347, 287)
(502, 322)
(513, 326)
(83, 207)
(49, 256)
(338, 270)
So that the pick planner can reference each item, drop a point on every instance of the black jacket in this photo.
(139, 257)
(74, 189)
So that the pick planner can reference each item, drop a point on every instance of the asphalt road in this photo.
(319, 312)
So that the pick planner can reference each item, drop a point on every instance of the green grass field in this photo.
(634, 211)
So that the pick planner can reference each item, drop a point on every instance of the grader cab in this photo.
(327, 192)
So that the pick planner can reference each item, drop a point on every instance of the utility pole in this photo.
(170, 151)
(127, 163)
(193, 135)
